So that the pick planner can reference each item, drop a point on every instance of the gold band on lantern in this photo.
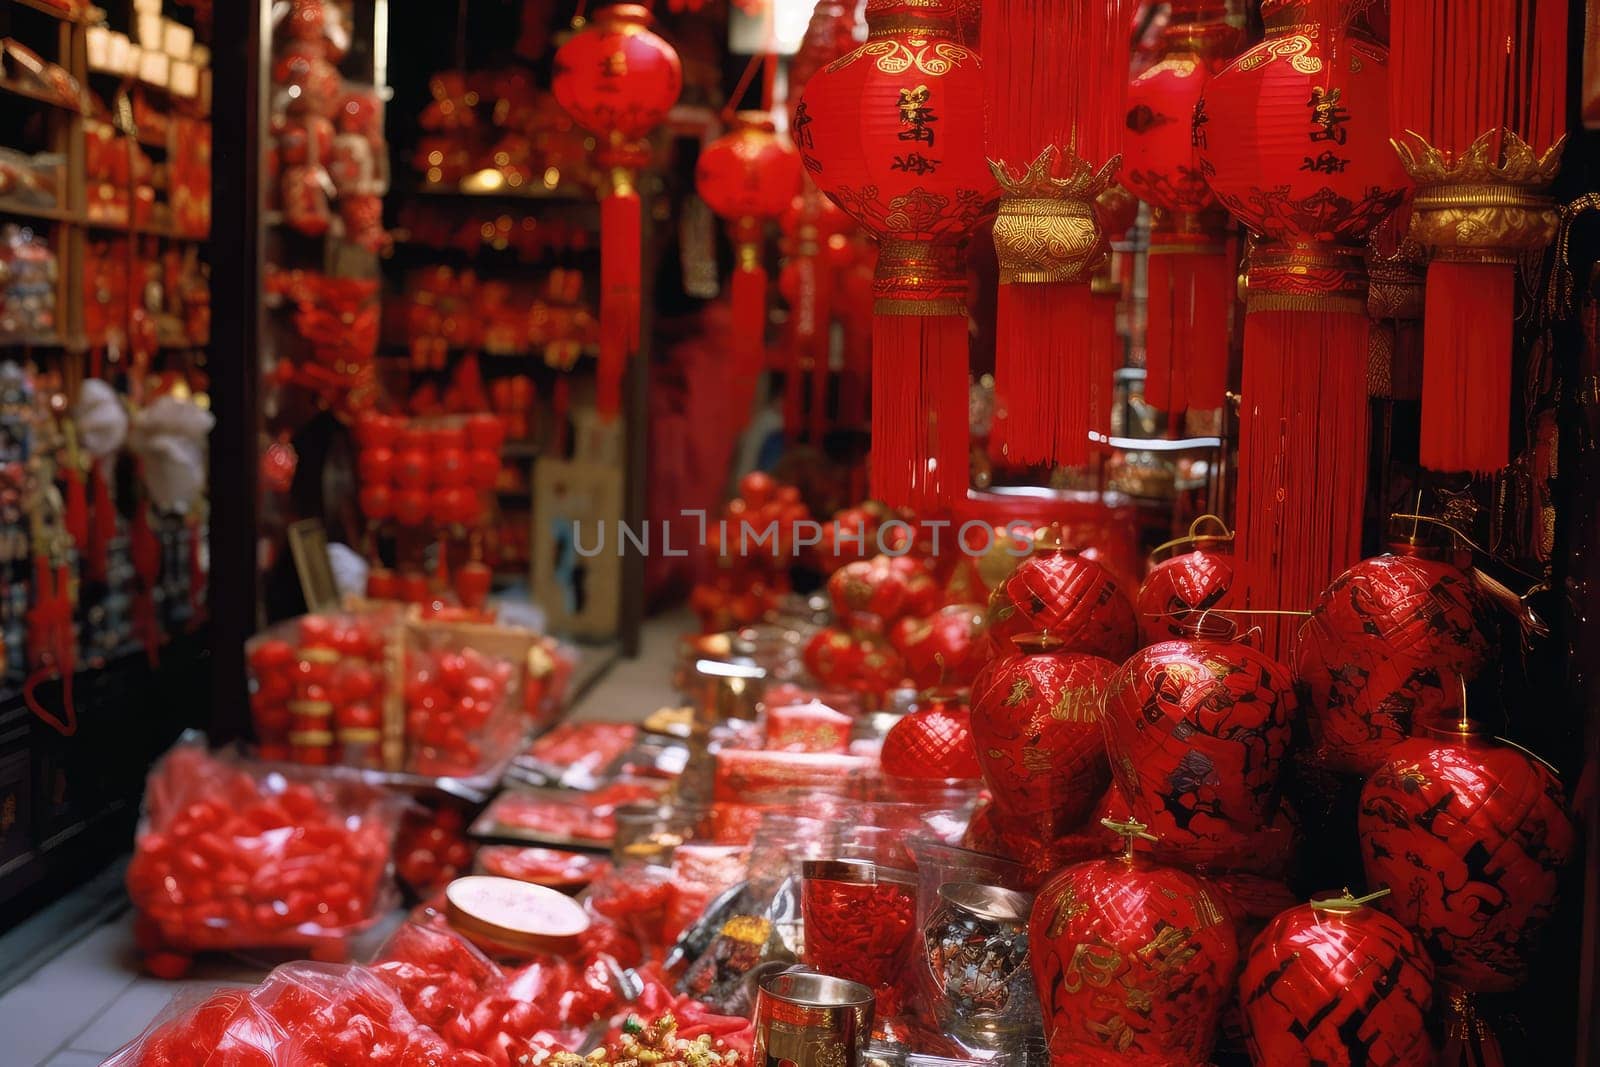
(1472, 208)
(1046, 230)
(918, 278)
(1309, 276)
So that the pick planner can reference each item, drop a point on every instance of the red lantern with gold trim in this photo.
(1069, 596)
(748, 176)
(893, 133)
(1336, 982)
(945, 649)
(1292, 138)
(1178, 588)
(1196, 730)
(618, 80)
(933, 743)
(1133, 962)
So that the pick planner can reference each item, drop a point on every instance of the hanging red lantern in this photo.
(1386, 648)
(1190, 272)
(1035, 720)
(1334, 982)
(893, 133)
(1479, 120)
(1067, 595)
(932, 743)
(1293, 139)
(1133, 962)
(945, 649)
(1197, 730)
(1057, 71)
(1470, 836)
(748, 176)
(618, 80)
(1194, 581)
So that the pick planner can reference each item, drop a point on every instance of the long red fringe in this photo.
(1208, 278)
(820, 340)
(1466, 366)
(1042, 375)
(919, 410)
(1302, 460)
(1162, 312)
(621, 241)
(1105, 356)
(750, 336)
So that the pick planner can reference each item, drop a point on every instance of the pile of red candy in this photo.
(458, 702)
(428, 471)
(317, 687)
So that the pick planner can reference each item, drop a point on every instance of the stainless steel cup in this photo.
(811, 1020)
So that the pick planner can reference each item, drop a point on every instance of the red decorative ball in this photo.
(1197, 730)
(375, 465)
(1068, 596)
(1160, 159)
(885, 587)
(1177, 588)
(1347, 986)
(1386, 647)
(1035, 720)
(945, 649)
(377, 501)
(411, 507)
(750, 172)
(615, 77)
(1470, 837)
(483, 468)
(858, 661)
(933, 743)
(1133, 963)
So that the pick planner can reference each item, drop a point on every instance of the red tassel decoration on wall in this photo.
(1057, 73)
(1478, 104)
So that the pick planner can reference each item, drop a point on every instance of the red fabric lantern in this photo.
(1470, 836)
(893, 133)
(945, 649)
(932, 743)
(1035, 720)
(748, 176)
(1479, 119)
(1387, 647)
(1190, 279)
(1196, 730)
(618, 80)
(1133, 964)
(1067, 595)
(1333, 982)
(1179, 588)
(1057, 71)
(1293, 139)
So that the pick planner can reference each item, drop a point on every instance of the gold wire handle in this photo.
(1515, 604)
(1131, 829)
(1345, 902)
(1194, 537)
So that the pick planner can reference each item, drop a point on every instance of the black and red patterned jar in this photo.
(1071, 597)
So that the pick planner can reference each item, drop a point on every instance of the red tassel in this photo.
(75, 516)
(1466, 366)
(621, 241)
(1041, 376)
(104, 525)
(1302, 460)
(1105, 357)
(817, 331)
(749, 328)
(1209, 279)
(1160, 361)
(919, 410)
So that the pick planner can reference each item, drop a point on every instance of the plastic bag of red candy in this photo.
(230, 854)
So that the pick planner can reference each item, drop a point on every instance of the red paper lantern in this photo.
(893, 133)
(1293, 140)
(1197, 729)
(748, 176)
(1333, 982)
(1387, 647)
(945, 649)
(934, 742)
(1470, 837)
(1179, 588)
(1133, 963)
(1190, 270)
(1035, 719)
(618, 80)
(1067, 595)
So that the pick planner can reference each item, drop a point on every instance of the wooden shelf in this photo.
(35, 211)
(49, 9)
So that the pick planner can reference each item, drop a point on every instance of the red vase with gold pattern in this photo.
(1335, 984)
(1181, 587)
(1133, 963)
(933, 742)
(945, 649)
(1470, 837)
(1387, 646)
(1069, 596)
(1196, 730)
(1035, 720)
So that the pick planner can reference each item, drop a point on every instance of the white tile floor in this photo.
(90, 1000)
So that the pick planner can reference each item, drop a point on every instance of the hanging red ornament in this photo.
(1334, 983)
(1116, 210)
(1386, 649)
(1470, 836)
(932, 743)
(1190, 274)
(1069, 596)
(618, 80)
(1133, 962)
(945, 649)
(811, 222)
(893, 133)
(1479, 119)
(1035, 720)
(748, 176)
(1292, 139)
(1186, 585)
(1057, 71)
(1197, 730)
